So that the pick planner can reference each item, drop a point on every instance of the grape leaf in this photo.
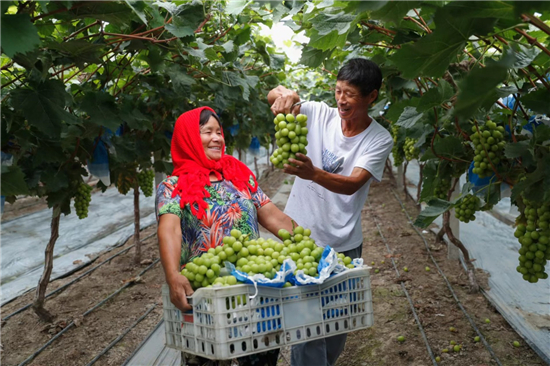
(102, 109)
(538, 100)
(13, 181)
(235, 7)
(449, 147)
(313, 57)
(409, 117)
(18, 34)
(435, 208)
(521, 149)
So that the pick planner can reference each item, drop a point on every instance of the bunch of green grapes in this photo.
(534, 236)
(489, 147)
(465, 210)
(442, 188)
(410, 151)
(291, 134)
(257, 256)
(82, 200)
(146, 181)
(397, 153)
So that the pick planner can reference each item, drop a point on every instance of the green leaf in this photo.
(80, 51)
(235, 7)
(326, 23)
(449, 147)
(478, 89)
(44, 106)
(313, 57)
(102, 109)
(277, 61)
(18, 34)
(328, 41)
(234, 79)
(524, 55)
(181, 81)
(435, 96)
(521, 149)
(54, 179)
(435, 208)
(394, 11)
(138, 8)
(537, 101)
(110, 11)
(13, 181)
(409, 117)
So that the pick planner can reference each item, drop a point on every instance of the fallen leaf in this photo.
(134, 280)
(146, 261)
(78, 261)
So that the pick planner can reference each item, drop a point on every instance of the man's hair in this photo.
(362, 73)
(205, 117)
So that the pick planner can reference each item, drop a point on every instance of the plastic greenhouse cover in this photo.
(526, 306)
(109, 224)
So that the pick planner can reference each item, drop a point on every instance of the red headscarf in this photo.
(193, 168)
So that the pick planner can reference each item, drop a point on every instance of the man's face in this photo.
(351, 104)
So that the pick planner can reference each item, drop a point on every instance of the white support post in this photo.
(400, 177)
(454, 224)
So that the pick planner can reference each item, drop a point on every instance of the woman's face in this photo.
(212, 139)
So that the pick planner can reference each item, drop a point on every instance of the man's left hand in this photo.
(303, 167)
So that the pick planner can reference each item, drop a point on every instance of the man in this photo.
(347, 148)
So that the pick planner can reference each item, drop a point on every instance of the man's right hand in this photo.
(281, 99)
(180, 288)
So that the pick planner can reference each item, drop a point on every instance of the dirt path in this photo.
(24, 333)
(433, 302)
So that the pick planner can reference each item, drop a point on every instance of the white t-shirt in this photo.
(335, 219)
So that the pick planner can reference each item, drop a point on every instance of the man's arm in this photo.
(336, 183)
(281, 99)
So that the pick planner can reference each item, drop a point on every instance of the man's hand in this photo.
(303, 167)
(284, 99)
(180, 288)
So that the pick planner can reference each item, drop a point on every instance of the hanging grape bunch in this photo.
(410, 151)
(146, 180)
(467, 207)
(534, 237)
(291, 137)
(442, 188)
(82, 200)
(489, 146)
(257, 256)
(397, 153)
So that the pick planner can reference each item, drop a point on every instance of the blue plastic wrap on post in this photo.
(99, 165)
(254, 147)
(234, 130)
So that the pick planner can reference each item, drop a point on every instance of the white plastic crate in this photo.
(226, 323)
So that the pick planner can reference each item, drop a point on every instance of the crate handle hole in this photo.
(288, 337)
(202, 344)
(308, 332)
(318, 330)
(346, 324)
(336, 326)
(266, 341)
(298, 334)
(277, 339)
(212, 348)
(328, 328)
(243, 346)
(231, 348)
(255, 344)
(354, 322)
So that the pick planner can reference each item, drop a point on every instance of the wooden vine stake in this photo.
(137, 242)
(40, 296)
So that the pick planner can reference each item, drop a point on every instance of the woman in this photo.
(208, 194)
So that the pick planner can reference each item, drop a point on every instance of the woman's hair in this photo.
(362, 73)
(205, 117)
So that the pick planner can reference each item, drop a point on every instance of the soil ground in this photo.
(24, 333)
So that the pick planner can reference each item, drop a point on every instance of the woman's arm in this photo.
(169, 235)
(273, 219)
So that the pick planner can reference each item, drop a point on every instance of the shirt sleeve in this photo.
(374, 158)
(165, 203)
(260, 199)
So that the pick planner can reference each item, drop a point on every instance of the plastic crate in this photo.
(226, 323)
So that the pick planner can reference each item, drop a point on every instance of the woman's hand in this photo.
(180, 288)
(303, 167)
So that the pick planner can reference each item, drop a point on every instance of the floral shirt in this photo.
(228, 208)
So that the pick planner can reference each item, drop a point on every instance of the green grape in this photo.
(291, 138)
(397, 153)
(534, 236)
(466, 208)
(82, 200)
(488, 142)
(410, 151)
(146, 180)
(442, 188)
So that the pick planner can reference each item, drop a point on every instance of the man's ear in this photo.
(373, 95)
